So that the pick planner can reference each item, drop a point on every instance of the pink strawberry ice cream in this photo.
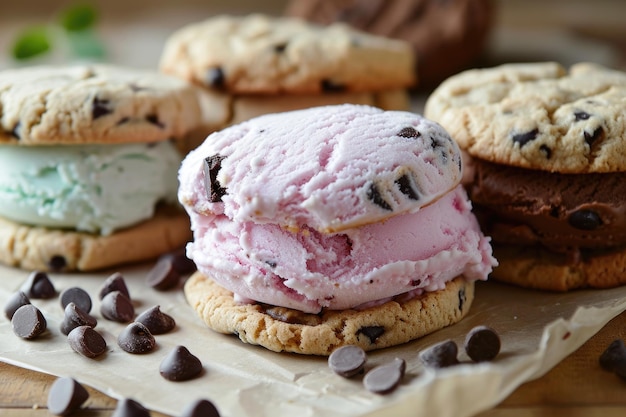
(332, 207)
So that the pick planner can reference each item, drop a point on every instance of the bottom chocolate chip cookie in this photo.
(65, 250)
(532, 267)
(285, 330)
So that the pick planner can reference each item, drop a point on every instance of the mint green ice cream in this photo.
(92, 188)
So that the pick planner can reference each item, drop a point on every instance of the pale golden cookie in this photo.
(532, 267)
(262, 54)
(65, 250)
(285, 330)
(537, 116)
(45, 105)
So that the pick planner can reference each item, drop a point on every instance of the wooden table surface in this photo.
(575, 387)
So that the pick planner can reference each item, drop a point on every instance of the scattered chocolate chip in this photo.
(591, 138)
(128, 407)
(524, 138)
(163, 276)
(216, 77)
(585, 220)
(66, 395)
(15, 301)
(409, 132)
(75, 317)
(136, 338)
(180, 262)
(77, 296)
(384, 378)
(115, 282)
(100, 108)
(372, 332)
(180, 365)
(153, 119)
(614, 357)
(87, 341)
(440, 355)
(38, 286)
(115, 306)
(200, 408)
(373, 194)
(347, 361)
(407, 187)
(16, 131)
(156, 321)
(214, 189)
(57, 263)
(546, 151)
(28, 322)
(482, 344)
(329, 86)
(581, 115)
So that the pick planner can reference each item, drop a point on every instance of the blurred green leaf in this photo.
(85, 44)
(78, 17)
(33, 41)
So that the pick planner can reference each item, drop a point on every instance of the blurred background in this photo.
(132, 32)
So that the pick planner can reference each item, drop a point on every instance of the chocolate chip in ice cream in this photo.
(15, 301)
(156, 321)
(212, 166)
(440, 355)
(114, 282)
(407, 187)
(180, 365)
(374, 195)
(77, 296)
(74, 317)
(127, 407)
(482, 343)
(66, 395)
(38, 286)
(115, 306)
(409, 132)
(200, 408)
(347, 361)
(136, 338)
(28, 322)
(385, 378)
(87, 341)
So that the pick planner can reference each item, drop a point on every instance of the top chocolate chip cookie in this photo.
(537, 116)
(46, 105)
(262, 54)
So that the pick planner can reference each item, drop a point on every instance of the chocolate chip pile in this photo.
(482, 344)
(116, 305)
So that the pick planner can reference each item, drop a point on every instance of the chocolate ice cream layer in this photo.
(563, 212)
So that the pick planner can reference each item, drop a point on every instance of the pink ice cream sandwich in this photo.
(330, 226)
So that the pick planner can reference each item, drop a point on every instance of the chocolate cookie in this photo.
(282, 329)
(548, 168)
(447, 36)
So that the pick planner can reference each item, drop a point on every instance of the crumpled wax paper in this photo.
(537, 329)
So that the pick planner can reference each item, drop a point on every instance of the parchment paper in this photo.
(537, 329)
